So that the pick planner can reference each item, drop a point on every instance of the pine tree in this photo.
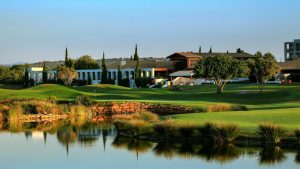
(131, 57)
(210, 50)
(104, 70)
(227, 51)
(136, 56)
(66, 56)
(45, 73)
(199, 49)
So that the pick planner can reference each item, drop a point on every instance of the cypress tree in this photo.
(119, 74)
(89, 79)
(210, 50)
(131, 57)
(66, 57)
(104, 70)
(45, 73)
(26, 77)
(199, 49)
(136, 56)
(137, 70)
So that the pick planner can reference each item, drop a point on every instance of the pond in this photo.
(71, 144)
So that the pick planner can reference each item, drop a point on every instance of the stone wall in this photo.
(134, 107)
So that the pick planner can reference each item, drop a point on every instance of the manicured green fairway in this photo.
(277, 103)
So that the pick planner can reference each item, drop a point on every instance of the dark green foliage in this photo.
(136, 55)
(124, 82)
(165, 129)
(239, 50)
(186, 131)
(26, 77)
(263, 67)
(86, 62)
(297, 133)
(271, 155)
(210, 50)
(270, 133)
(29, 109)
(295, 77)
(45, 73)
(66, 57)
(143, 82)
(221, 68)
(83, 100)
(89, 81)
(133, 128)
(138, 70)
(12, 75)
(200, 50)
(119, 74)
(219, 134)
(104, 71)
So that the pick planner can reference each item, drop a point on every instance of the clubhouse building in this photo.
(179, 64)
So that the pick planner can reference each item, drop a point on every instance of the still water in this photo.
(80, 145)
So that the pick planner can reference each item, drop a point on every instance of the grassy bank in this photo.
(280, 104)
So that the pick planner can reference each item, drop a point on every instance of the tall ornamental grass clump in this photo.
(186, 130)
(165, 129)
(297, 133)
(270, 133)
(147, 116)
(225, 107)
(219, 133)
(132, 128)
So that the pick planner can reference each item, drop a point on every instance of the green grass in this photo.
(280, 104)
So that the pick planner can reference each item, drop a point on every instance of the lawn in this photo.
(278, 103)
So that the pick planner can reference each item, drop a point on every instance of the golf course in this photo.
(277, 103)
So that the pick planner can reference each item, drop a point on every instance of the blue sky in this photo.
(37, 30)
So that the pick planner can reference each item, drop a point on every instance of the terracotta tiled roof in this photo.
(199, 55)
(290, 65)
(143, 64)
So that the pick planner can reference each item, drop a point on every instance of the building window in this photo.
(83, 75)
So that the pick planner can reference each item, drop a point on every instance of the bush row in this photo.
(220, 134)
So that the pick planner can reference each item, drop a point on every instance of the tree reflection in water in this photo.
(271, 155)
(133, 145)
(297, 158)
(164, 149)
(221, 154)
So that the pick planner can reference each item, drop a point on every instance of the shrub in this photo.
(52, 99)
(29, 109)
(297, 133)
(225, 107)
(186, 130)
(219, 134)
(83, 100)
(164, 129)
(270, 133)
(133, 128)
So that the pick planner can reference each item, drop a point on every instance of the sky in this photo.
(38, 30)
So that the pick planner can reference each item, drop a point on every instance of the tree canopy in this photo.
(136, 55)
(104, 70)
(220, 68)
(67, 75)
(263, 67)
(86, 62)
